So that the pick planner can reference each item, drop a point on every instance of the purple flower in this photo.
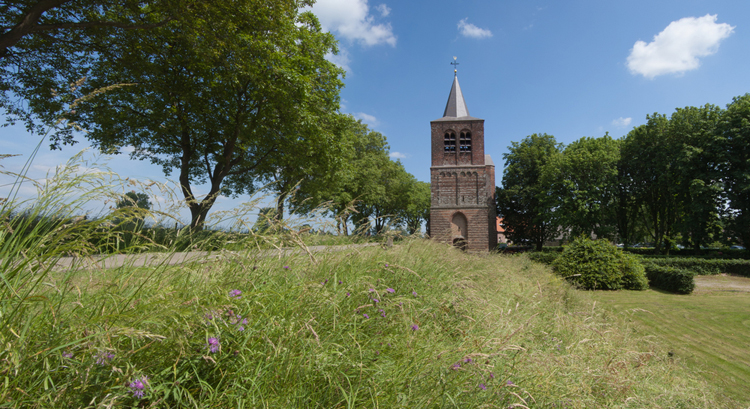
(386, 264)
(375, 300)
(340, 282)
(414, 327)
(467, 360)
(414, 293)
(137, 386)
(235, 294)
(67, 355)
(382, 314)
(482, 387)
(372, 290)
(492, 375)
(286, 267)
(347, 294)
(366, 316)
(510, 383)
(213, 345)
(240, 328)
(456, 366)
(102, 358)
(390, 290)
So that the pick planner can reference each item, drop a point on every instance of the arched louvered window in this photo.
(465, 142)
(450, 142)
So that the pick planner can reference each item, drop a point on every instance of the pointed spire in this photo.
(456, 106)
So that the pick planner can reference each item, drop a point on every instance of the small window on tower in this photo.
(450, 142)
(465, 142)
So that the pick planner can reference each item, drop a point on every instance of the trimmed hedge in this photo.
(670, 279)
(544, 257)
(703, 266)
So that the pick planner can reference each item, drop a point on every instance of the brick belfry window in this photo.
(450, 142)
(465, 142)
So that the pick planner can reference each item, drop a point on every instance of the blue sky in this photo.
(570, 69)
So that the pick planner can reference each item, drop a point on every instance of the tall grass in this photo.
(415, 325)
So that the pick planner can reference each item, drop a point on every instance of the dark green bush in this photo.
(670, 279)
(701, 266)
(544, 257)
(599, 265)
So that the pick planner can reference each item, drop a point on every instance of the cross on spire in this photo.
(455, 66)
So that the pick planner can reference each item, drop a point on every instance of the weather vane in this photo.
(455, 66)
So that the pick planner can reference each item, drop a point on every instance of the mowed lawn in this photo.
(709, 330)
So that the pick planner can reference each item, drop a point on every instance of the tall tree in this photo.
(214, 94)
(417, 207)
(522, 199)
(363, 153)
(698, 184)
(734, 128)
(583, 186)
(650, 163)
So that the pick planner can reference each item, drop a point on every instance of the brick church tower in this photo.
(462, 210)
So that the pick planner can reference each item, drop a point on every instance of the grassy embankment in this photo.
(709, 329)
(416, 325)
(481, 331)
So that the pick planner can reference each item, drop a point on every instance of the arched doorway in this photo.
(459, 231)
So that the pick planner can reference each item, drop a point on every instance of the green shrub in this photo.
(544, 257)
(670, 279)
(699, 266)
(599, 265)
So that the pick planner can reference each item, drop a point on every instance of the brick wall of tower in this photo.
(461, 182)
(441, 158)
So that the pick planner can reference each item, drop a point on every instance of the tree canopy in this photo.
(682, 179)
(521, 202)
(217, 94)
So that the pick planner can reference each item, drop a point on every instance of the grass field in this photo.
(708, 330)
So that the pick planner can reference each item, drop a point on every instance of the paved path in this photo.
(155, 259)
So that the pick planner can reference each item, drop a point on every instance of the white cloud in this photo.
(470, 30)
(351, 19)
(622, 122)
(678, 47)
(383, 9)
(397, 155)
(368, 119)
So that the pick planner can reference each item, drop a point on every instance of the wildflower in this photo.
(510, 383)
(390, 290)
(386, 264)
(67, 355)
(492, 375)
(372, 290)
(366, 316)
(467, 360)
(375, 300)
(347, 294)
(209, 317)
(414, 293)
(235, 294)
(382, 314)
(102, 358)
(286, 267)
(137, 386)
(240, 328)
(456, 366)
(414, 327)
(482, 387)
(340, 282)
(213, 345)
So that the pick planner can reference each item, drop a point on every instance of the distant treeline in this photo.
(678, 180)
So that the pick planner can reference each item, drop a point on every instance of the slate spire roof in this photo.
(456, 108)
